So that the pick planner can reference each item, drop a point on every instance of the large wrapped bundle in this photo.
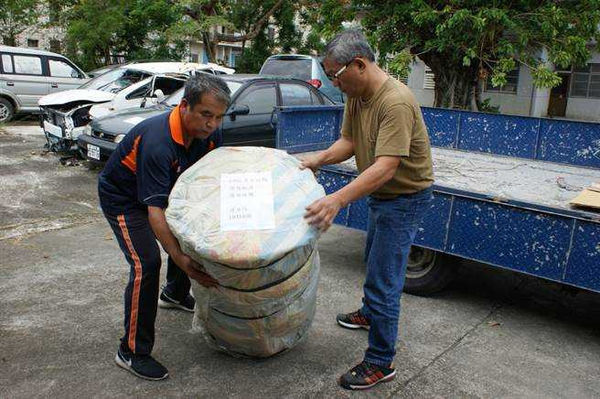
(194, 211)
(239, 212)
(285, 322)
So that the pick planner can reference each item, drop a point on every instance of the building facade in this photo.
(577, 97)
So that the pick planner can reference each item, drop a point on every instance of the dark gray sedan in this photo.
(249, 121)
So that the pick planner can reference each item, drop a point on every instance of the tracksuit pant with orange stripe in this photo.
(138, 243)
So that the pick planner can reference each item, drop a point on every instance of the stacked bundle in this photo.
(239, 212)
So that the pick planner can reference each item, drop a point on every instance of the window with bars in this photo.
(585, 81)
(512, 83)
(428, 79)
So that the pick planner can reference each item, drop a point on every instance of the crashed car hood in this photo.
(69, 96)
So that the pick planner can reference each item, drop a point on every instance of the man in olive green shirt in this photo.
(383, 128)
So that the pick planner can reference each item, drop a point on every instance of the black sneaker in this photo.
(366, 375)
(166, 302)
(352, 320)
(144, 366)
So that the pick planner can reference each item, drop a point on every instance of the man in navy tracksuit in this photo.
(134, 188)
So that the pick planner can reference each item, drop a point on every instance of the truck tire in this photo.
(7, 110)
(427, 271)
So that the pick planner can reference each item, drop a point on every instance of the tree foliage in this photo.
(288, 40)
(100, 30)
(15, 17)
(247, 18)
(465, 41)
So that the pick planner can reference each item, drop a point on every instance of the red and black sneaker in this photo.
(366, 375)
(353, 320)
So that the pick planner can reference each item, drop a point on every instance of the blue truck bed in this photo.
(502, 190)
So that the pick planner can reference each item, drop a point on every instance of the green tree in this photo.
(92, 31)
(288, 39)
(98, 30)
(15, 17)
(247, 18)
(465, 41)
(254, 56)
(143, 34)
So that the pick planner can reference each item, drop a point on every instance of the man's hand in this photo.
(311, 163)
(322, 212)
(194, 270)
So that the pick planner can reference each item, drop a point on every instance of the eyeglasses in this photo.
(340, 71)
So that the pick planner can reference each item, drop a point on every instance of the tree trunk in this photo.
(477, 90)
(107, 58)
(455, 84)
(208, 46)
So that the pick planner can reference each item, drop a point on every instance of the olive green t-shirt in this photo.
(391, 123)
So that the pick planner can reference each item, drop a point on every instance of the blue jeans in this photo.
(391, 230)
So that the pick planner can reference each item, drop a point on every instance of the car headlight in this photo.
(87, 130)
(119, 138)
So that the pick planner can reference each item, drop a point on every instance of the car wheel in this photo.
(428, 271)
(7, 110)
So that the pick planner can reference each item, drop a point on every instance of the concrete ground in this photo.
(492, 334)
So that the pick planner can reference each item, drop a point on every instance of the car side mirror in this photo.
(241, 109)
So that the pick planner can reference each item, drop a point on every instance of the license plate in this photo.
(53, 129)
(93, 152)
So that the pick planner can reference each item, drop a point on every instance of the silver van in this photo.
(303, 67)
(26, 75)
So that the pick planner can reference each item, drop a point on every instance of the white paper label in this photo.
(247, 201)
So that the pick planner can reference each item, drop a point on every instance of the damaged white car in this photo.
(65, 114)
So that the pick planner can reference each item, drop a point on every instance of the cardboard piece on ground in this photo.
(587, 198)
(595, 187)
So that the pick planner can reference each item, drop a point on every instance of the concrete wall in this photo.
(518, 103)
(43, 35)
(584, 108)
(416, 77)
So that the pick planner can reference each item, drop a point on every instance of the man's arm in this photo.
(339, 151)
(322, 212)
(158, 222)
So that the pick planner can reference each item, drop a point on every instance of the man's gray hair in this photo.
(348, 45)
(203, 83)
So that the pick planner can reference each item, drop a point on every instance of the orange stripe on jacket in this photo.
(130, 160)
(137, 281)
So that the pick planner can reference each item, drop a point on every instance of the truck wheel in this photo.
(427, 271)
(7, 110)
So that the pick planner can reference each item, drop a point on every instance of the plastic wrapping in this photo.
(268, 278)
(253, 279)
(264, 302)
(257, 337)
(194, 208)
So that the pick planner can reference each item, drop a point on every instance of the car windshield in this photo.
(115, 80)
(296, 68)
(100, 71)
(176, 97)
